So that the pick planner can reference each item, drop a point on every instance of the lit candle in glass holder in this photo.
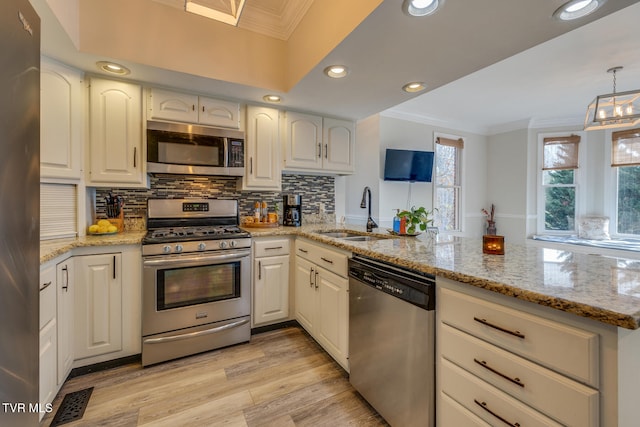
(492, 244)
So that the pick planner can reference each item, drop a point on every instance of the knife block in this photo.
(118, 222)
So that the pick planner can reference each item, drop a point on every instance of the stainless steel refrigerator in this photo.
(19, 212)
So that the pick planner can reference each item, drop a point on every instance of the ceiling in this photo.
(489, 65)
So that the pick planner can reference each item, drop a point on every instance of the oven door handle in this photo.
(196, 334)
(217, 258)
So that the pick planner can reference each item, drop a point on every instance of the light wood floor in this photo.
(280, 378)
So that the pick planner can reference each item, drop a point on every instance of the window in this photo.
(625, 158)
(447, 194)
(559, 181)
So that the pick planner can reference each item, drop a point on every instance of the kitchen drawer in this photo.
(565, 349)
(332, 260)
(47, 295)
(541, 388)
(486, 401)
(271, 247)
(451, 413)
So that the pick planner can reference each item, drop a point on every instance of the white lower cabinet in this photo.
(65, 316)
(48, 336)
(270, 281)
(510, 367)
(98, 305)
(322, 298)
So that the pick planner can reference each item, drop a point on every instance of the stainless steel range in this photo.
(196, 278)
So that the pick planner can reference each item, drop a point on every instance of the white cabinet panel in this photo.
(65, 309)
(61, 121)
(116, 149)
(183, 107)
(262, 150)
(303, 141)
(339, 147)
(271, 290)
(98, 305)
(215, 112)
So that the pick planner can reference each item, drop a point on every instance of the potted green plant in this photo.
(419, 218)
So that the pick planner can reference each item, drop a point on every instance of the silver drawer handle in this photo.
(495, 371)
(304, 251)
(483, 405)
(45, 286)
(499, 328)
(273, 248)
(326, 260)
(196, 334)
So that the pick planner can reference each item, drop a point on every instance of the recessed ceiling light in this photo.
(113, 68)
(575, 9)
(420, 7)
(414, 87)
(336, 71)
(272, 98)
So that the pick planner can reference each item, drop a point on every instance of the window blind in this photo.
(625, 148)
(457, 143)
(58, 211)
(560, 152)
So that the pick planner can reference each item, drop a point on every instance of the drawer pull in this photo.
(45, 286)
(495, 371)
(326, 260)
(304, 251)
(273, 248)
(483, 405)
(311, 277)
(514, 333)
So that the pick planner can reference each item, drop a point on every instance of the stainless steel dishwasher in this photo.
(391, 340)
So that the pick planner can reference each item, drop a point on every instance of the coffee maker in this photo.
(292, 204)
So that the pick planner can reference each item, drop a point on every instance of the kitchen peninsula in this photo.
(594, 293)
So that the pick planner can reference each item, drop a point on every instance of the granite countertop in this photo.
(50, 249)
(603, 288)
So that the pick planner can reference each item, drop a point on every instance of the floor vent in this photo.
(72, 407)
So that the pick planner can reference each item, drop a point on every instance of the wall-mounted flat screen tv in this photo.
(408, 165)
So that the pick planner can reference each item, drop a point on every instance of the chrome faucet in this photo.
(371, 224)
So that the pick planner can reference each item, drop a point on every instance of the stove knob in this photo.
(233, 243)
(202, 246)
(178, 248)
(223, 244)
(166, 249)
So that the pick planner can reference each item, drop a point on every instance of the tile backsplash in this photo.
(315, 190)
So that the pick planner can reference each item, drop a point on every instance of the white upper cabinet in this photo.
(302, 141)
(116, 144)
(182, 107)
(61, 123)
(316, 144)
(338, 137)
(262, 165)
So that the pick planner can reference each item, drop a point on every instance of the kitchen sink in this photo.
(340, 234)
(360, 238)
(350, 236)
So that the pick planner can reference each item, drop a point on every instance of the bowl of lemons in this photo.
(103, 226)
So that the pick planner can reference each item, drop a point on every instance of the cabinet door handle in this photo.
(193, 107)
(203, 108)
(319, 150)
(499, 328)
(114, 266)
(250, 165)
(273, 248)
(326, 151)
(316, 280)
(483, 405)
(304, 251)
(65, 270)
(45, 286)
(259, 270)
(134, 156)
(311, 277)
(482, 363)
(326, 260)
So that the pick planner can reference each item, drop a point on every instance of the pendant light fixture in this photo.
(613, 110)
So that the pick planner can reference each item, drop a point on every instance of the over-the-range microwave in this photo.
(178, 148)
